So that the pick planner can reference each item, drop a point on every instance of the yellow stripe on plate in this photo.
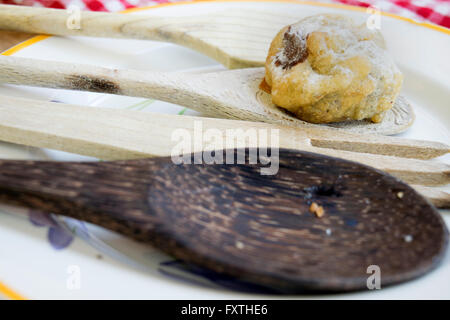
(9, 293)
(24, 44)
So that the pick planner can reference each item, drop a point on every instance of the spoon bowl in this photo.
(242, 89)
(257, 228)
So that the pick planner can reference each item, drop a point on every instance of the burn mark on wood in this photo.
(93, 84)
(324, 190)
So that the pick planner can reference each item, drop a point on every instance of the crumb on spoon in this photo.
(317, 210)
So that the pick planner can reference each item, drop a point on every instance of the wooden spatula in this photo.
(231, 94)
(235, 38)
(235, 221)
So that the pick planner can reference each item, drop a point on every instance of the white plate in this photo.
(110, 266)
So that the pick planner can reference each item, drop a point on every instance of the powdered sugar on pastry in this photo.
(326, 68)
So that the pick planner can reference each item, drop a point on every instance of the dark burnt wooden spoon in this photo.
(235, 221)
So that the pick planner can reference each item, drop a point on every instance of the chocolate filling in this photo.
(295, 50)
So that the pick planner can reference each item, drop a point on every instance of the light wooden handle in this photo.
(170, 87)
(122, 134)
(94, 24)
(376, 144)
(187, 89)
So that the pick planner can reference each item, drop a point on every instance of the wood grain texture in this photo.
(124, 134)
(231, 94)
(232, 220)
(235, 38)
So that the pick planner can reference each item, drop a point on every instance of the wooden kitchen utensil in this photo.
(235, 221)
(231, 94)
(235, 38)
(112, 134)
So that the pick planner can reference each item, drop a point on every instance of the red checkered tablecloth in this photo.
(435, 11)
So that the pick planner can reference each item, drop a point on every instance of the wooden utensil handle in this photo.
(174, 87)
(94, 24)
(185, 89)
(68, 189)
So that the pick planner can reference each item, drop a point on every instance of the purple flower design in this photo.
(58, 236)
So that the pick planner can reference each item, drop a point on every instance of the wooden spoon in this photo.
(235, 38)
(231, 94)
(235, 221)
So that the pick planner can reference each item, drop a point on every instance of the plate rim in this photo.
(6, 289)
